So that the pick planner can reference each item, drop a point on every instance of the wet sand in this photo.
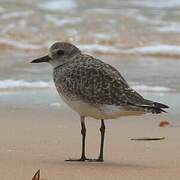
(42, 137)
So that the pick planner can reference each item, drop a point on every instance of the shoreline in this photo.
(49, 99)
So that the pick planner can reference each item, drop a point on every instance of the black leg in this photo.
(102, 130)
(83, 133)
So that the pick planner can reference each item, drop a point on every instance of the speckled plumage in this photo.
(92, 81)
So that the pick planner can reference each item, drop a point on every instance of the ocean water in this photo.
(140, 38)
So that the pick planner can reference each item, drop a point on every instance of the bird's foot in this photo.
(82, 159)
(96, 160)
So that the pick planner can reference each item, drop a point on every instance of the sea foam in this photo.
(11, 84)
(171, 27)
(64, 21)
(157, 4)
(156, 50)
(18, 45)
(16, 14)
(58, 5)
(22, 84)
(98, 48)
(147, 88)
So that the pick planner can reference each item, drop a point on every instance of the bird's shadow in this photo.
(106, 164)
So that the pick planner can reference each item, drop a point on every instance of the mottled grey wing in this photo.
(95, 82)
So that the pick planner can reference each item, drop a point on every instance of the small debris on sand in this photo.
(148, 139)
(164, 124)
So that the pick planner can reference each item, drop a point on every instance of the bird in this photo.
(93, 88)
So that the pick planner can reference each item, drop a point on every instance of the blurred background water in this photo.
(140, 38)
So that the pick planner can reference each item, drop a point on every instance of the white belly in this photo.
(101, 111)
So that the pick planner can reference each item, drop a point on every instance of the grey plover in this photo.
(93, 88)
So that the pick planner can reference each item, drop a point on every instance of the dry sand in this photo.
(41, 138)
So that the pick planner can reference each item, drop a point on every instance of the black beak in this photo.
(42, 59)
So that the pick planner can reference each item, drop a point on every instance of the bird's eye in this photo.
(60, 52)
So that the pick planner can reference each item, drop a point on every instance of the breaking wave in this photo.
(58, 5)
(98, 48)
(22, 84)
(156, 50)
(146, 88)
(12, 44)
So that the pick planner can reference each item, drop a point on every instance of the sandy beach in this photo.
(40, 136)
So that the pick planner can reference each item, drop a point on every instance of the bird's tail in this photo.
(153, 107)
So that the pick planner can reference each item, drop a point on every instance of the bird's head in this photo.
(59, 53)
